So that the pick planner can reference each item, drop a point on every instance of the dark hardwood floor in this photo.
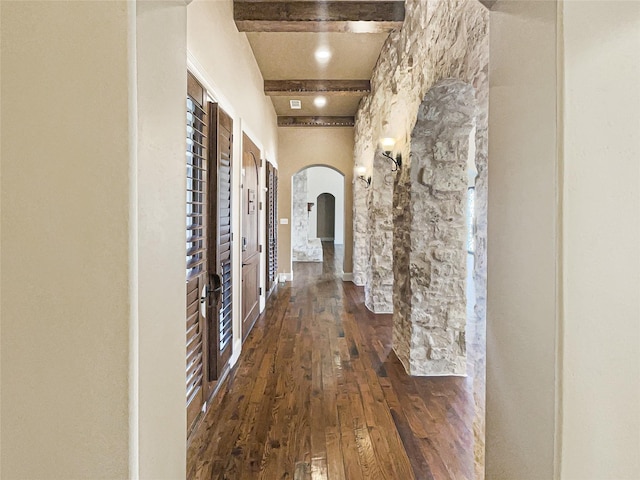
(319, 394)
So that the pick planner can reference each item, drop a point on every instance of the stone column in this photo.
(379, 282)
(299, 218)
(430, 232)
(360, 233)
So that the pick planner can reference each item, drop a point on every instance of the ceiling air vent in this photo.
(295, 104)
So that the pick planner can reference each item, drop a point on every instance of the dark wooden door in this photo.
(220, 242)
(272, 228)
(251, 164)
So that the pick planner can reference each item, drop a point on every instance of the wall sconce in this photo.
(387, 145)
(310, 206)
(361, 170)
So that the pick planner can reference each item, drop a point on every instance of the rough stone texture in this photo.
(434, 187)
(441, 39)
(360, 232)
(379, 281)
(303, 248)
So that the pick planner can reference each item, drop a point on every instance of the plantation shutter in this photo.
(221, 236)
(196, 278)
(272, 227)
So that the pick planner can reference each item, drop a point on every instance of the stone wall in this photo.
(379, 280)
(435, 184)
(361, 269)
(440, 40)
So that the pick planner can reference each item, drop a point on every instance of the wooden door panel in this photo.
(251, 164)
(250, 303)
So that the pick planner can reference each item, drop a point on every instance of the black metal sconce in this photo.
(361, 170)
(387, 144)
(397, 162)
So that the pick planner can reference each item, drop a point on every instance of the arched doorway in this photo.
(307, 186)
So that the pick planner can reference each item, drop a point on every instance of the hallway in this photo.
(318, 393)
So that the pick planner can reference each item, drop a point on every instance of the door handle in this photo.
(215, 287)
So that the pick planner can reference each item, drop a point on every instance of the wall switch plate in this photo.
(284, 221)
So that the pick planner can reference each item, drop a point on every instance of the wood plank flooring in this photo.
(319, 394)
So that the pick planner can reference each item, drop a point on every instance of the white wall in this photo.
(222, 59)
(522, 242)
(326, 180)
(157, 391)
(564, 230)
(601, 361)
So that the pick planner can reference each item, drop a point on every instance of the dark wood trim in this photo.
(320, 121)
(313, 87)
(330, 16)
(488, 3)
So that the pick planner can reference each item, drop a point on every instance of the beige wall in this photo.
(223, 61)
(601, 361)
(65, 240)
(522, 242)
(92, 240)
(301, 147)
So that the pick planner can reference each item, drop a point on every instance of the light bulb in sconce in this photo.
(360, 171)
(387, 143)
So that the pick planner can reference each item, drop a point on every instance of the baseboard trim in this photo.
(285, 277)
(347, 277)
(235, 355)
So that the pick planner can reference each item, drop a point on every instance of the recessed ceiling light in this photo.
(323, 54)
(320, 102)
(295, 104)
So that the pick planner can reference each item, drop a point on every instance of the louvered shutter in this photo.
(221, 235)
(272, 227)
(196, 211)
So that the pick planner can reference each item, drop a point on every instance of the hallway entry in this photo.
(318, 393)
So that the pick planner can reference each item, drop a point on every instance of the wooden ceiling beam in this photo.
(308, 16)
(319, 121)
(280, 88)
(488, 3)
